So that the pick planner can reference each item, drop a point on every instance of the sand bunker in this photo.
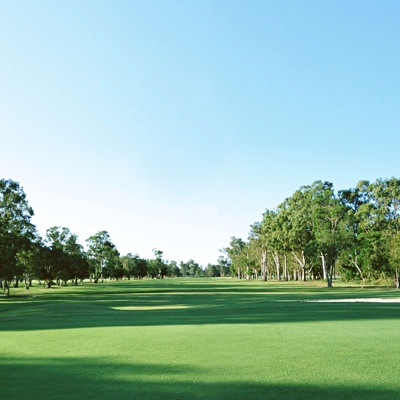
(365, 300)
(141, 308)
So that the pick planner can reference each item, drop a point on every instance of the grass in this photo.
(199, 339)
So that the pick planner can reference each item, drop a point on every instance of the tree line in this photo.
(319, 234)
(59, 257)
(314, 234)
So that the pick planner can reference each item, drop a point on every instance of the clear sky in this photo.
(175, 124)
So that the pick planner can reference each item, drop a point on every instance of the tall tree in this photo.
(237, 256)
(103, 255)
(331, 231)
(157, 268)
(296, 211)
(72, 262)
(16, 229)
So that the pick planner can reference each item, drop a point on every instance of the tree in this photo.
(374, 213)
(190, 268)
(223, 265)
(128, 265)
(257, 247)
(31, 261)
(172, 269)
(331, 234)
(103, 255)
(16, 229)
(212, 270)
(386, 197)
(237, 257)
(296, 210)
(72, 262)
(157, 268)
(394, 258)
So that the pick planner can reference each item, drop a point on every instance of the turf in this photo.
(199, 339)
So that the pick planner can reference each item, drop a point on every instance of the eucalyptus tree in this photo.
(280, 235)
(141, 266)
(212, 270)
(172, 269)
(361, 213)
(272, 231)
(394, 258)
(103, 255)
(386, 198)
(157, 268)
(16, 229)
(374, 212)
(258, 247)
(237, 256)
(223, 265)
(31, 261)
(330, 228)
(71, 260)
(190, 268)
(128, 265)
(297, 215)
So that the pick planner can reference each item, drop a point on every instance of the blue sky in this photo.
(175, 124)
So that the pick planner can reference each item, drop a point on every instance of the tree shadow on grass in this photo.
(101, 378)
(189, 302)
(181, 309)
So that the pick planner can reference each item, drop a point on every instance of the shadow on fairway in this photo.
(100, 378)
(158, 309)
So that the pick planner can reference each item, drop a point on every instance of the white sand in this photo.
(370, 300)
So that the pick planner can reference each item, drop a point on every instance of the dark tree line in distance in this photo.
(59, 257)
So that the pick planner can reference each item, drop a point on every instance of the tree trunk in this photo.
(264, 264)
(324, 274)
(278, 266)
(285, 273)
(302, 264)
(329, 275)
(6, 287)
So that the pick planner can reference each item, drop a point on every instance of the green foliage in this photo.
(16, 230)
(68, 260)
(103, 257)
(317, 233)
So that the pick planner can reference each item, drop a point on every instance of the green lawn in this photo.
(199, 339)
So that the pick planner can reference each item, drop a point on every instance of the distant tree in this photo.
(141, 267)
(237, 257)
(31, 262)
(173, 269)
(72, 262)
(157, 268)
(213, 270)
(223, 265)
(128, 265)
(191, 268)
(103, 256)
